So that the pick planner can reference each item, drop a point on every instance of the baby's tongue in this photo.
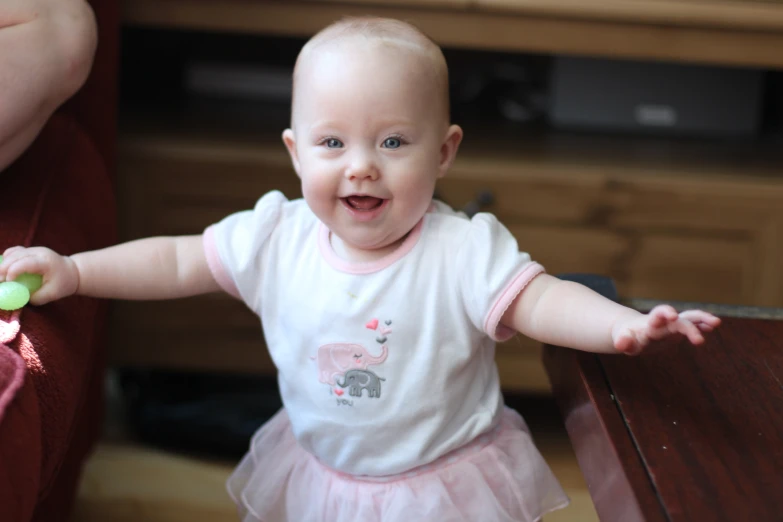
(364, 202)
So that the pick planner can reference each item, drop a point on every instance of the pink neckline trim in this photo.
(370, 266)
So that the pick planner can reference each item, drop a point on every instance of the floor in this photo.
(125, 481)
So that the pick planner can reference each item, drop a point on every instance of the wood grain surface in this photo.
(718, 32)
(703, 423)
(708, 421)
(615, 475)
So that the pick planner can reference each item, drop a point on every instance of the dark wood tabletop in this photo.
(681, 432)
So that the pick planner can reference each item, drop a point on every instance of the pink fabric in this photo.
(21, 458)
(366, 268)
(12, 366)
(492, 325)
(216, 265)
(500, 477)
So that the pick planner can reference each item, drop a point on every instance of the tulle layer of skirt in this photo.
(499, 477)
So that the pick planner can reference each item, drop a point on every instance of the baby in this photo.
(380, 306)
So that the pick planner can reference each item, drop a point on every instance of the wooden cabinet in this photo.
(665, 220)
(686, 226)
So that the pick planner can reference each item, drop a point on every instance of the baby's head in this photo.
(361, 39)
(370, 130)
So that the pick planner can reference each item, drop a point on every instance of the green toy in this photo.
(32, 281)
(15, 294)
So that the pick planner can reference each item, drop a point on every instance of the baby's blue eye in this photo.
(392, 143)
(333, 143)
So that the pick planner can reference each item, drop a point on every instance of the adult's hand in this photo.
(46, 53)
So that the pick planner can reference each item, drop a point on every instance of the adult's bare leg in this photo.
(46, 52)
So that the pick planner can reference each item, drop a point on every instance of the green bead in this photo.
(13, 295)
(32, 281)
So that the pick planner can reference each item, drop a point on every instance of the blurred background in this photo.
(639, 139)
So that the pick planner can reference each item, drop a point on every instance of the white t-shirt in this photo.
(382, 366)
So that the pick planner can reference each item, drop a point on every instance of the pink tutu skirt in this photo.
(499, 477)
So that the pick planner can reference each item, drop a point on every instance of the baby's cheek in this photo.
(319, 192)
(417, 189)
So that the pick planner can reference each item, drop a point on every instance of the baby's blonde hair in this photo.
(397, 33)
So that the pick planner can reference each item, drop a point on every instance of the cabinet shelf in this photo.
(500, 149)
(748, 33)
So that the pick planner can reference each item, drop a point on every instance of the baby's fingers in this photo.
(10, 251)
(662, 315)
(690, 330)
(700, 318)
(46, 294)
(29, 264)
(10, 258)
(704, 321)
(627, 344)
(704, 327)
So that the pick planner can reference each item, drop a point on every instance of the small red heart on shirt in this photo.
(338, 392)
(372, 324)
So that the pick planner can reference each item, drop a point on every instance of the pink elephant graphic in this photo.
(337, 358)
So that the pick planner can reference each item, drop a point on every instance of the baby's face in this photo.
(369, 127)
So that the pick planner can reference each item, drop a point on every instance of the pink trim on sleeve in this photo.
(216, 265)
(492, 326)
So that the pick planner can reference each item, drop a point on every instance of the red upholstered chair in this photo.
(59, 194)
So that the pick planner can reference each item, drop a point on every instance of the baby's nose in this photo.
(362, 167)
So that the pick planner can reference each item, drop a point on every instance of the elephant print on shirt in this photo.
(359, 380)
(335, 359)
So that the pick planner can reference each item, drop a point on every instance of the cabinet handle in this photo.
(483, 199)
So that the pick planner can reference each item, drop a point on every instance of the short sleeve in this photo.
(493, 273)
(234, 245)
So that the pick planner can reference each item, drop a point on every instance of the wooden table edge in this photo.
(612, 466)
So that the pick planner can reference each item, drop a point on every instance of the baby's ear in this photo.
(290, 144)
(448, 150)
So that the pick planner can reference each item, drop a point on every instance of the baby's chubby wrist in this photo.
(72, 276)
(624, 322)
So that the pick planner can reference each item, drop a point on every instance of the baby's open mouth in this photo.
(363, 202)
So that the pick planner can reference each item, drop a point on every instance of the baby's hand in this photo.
(632, 336)
(60, 274)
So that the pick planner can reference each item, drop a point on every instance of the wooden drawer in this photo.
(206, 333)
(656, 241)
(183, 196)
(647, 265)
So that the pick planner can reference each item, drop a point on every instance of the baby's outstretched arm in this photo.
(149, 269)
(568, 314)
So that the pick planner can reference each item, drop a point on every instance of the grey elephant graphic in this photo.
(360, 380)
